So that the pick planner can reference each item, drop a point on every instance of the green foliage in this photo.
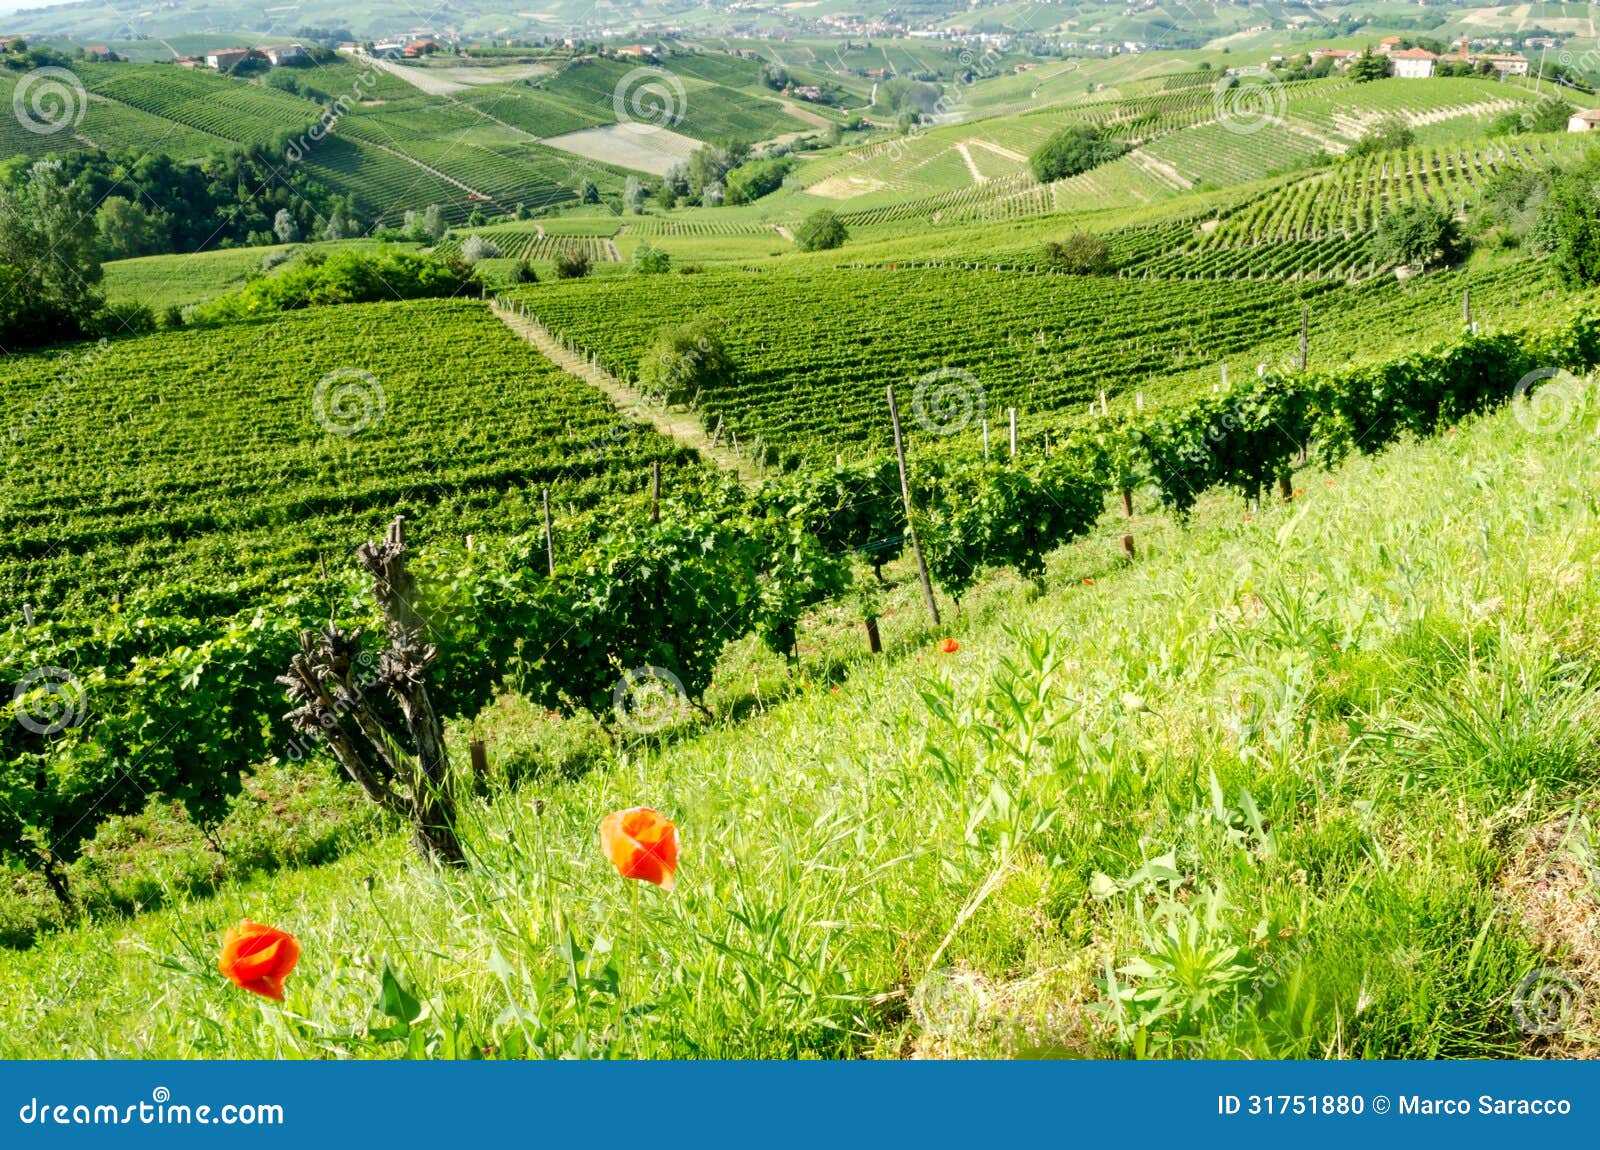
(1420, 235)
(1368, 67)
(346, 276)
(1082, 253)
(1550, 114)
(49, 267)
(685, 361)
(572, 265)
(650, 260)
(1567, 228)
(749, 182)
(1391, 134)
(821, 231)
(1073, 150)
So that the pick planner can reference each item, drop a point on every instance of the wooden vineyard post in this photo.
(549, 535)
(1305, 335)
(655, 492)
(1011, 414)
(874, 642)
(1285, 488)
(905, 499)
(1127, 546)
(1127, 503)
(480, 760)
(986, 441)
(1466, 306)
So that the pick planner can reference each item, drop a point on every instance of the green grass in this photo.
(1301, 742)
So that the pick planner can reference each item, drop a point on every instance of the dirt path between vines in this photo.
(679, 425)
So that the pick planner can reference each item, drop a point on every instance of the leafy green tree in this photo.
(633, 195)
(1567, 229)
(649, 260)
(572, 265)
(1388, 135)
(1367, 67)
(48, 243)
(1418, 234)
(588, 192)
(125, 229)
(1082, 253)
(1077, 149)
(821, 231)
(685, 361)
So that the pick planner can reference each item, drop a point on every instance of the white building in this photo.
(1413, 63)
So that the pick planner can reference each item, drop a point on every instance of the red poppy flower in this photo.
(641, 843)
(258, 958)
(1088, 582)
(949, 646)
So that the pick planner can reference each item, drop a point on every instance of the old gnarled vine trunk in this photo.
(336, 686)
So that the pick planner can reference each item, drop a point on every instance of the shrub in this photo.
(1077, 149)
(821, 231)
(572, 265)
(684, 361)
(1420, 235)
(1082, 253)
(479, 248)
(648, 260)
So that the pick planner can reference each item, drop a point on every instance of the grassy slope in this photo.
(1386, 680)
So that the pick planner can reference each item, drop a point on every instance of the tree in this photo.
(124, 229)
(633, 195)
(685, 361)
(48, 257)
(1367, 67)
(572, 265)
(588, 192)
(1419, 235)
(648, 260)
(284, 227)
(479, 248)
(1548, 115)
(1567, 230)
(712, 195)
(1077, 149)
(775, 76)
(1390, 134)
(433, 224)
(821, 231)
(1082, 253)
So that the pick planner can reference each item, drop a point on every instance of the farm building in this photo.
(1585, 121)
(227, 59)
(283, 53)
(1413, 63)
